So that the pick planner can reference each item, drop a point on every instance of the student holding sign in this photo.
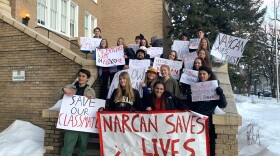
(160, 99)
(128, 53)
(105, 73)
(72, 137)
(150, 79)
(170, 83)
(208, 107)
(125, 98)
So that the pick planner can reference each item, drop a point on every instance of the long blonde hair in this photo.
(128, 89)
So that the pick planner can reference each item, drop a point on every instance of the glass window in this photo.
(86, 25)
(63, 16)
(53, 14)
(42, 11)
(72, 19)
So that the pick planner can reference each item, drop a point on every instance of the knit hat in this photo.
(142, 49)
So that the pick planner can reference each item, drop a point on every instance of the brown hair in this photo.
(128, 88)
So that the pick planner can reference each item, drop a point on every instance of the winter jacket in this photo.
(172, 86)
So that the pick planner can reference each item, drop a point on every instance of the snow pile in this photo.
(260, 121)
(22, 138)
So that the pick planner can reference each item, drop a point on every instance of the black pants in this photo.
(104, 84)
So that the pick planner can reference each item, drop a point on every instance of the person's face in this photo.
(164, 72)
(159, 89)
(137, 41)
(151, 75)
(122, 81)
(143, 43)
(96, 32)
(140, 55)
(200, 34)
(184, 38)
(201, 54)
(197, 64)
(103, 43)
(171, 56)
(120, 42)
(203, 44)
(203, 76)
(82, 78)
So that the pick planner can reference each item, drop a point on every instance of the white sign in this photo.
(155, 51)
(189, 60)
(189, 76)
(110, 57)
(88, 43)
(139, 63)
(204, 91)
(18, 75)
(137, 76)
(166, 133)
(135, 47)
(194, 43)
(181, 47)
(228, 48)
(175, 66)
(78, 113)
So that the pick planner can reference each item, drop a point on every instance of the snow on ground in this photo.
(22, 138)
(259, 115)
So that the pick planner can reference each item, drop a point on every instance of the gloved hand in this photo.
(101, 109)
(219, 91)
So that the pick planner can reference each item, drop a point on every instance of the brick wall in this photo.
(46, 71)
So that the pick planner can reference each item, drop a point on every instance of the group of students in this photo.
(159, 93)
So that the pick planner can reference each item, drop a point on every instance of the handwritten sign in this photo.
(110, 57)
(175, 66)
(204, 91)
(228, 48)
(153, 134)
(181, 47)
(137, 76)
(88, 43)
(78, 113)
(194, 43)
(135, 47)
(139, 63)
(189, 76)
(155, 51)
(189, 60)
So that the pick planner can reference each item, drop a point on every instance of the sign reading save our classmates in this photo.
(154, 51)
(110, 57)
(137, 76)
(204, 91)
(78, 113)
(189, 76)
(89, 44)
(189, 60)
(228, 48)
(166, 133)
(181, 47)
(139, 63)
(175, 66)
(194, 43)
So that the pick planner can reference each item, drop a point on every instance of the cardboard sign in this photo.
(153, 134)
(78, 113)
(135, 47)
(194, 43)
(155, 51)
(137, 76)
(175, 66)
(204, 91)
(89, 44)
(139, 63)
(189, 76)
(228, 48)
(181, 47)
(110, 57)
(189, 60)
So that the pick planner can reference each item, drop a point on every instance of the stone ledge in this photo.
(227, 119)
(47, 113)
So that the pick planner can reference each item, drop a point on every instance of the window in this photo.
(58, 15)
(90, 23)
(87, 25)
(93, 24)
(42, 9)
